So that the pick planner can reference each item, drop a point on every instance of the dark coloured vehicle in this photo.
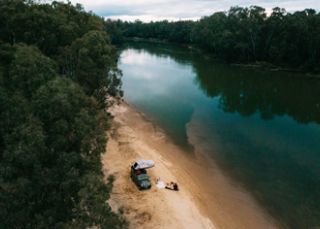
(139, 174)
(140, 178)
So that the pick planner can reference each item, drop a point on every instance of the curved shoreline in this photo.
(207, 198)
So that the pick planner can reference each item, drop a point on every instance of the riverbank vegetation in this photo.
(56, 68)
(241, 35)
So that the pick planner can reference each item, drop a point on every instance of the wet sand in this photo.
(207, 199)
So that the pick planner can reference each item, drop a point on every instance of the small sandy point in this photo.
(206, 198)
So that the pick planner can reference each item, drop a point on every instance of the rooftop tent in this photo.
(143, 164)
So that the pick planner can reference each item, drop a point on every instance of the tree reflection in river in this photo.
(245, 90)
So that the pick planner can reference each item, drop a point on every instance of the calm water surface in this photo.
(261, 127)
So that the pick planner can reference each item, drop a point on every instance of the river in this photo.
(261, 127)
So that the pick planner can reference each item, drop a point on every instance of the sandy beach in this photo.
(207, 199)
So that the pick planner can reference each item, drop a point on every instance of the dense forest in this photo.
(56, 68)
(241, 35)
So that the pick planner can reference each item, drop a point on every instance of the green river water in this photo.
(261, 127)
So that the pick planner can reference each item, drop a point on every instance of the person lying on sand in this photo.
(172, 186)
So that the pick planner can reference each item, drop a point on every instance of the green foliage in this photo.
(244, 35)
(113, 28)
(59, 94)
(171, 31)
(30, 69)
(21, 169)
(56, 67)
(46, 26)
(91, 60)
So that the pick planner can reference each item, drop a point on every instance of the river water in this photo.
(262, 128)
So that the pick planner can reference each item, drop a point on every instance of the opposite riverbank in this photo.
(262, 65)
(207, 198)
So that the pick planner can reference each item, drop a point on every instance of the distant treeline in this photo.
(56, 68)
(243, 35)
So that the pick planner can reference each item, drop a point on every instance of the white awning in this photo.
(143, 164)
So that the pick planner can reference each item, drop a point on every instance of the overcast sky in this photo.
(147, 10)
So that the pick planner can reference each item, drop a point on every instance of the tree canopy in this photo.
(56, 68)
(242, 34)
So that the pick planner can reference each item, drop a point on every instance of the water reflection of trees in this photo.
(179, 54)
(270, 93)
(247, 91)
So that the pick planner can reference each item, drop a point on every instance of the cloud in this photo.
(148, 10)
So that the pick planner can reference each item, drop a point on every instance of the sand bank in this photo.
(207, 199)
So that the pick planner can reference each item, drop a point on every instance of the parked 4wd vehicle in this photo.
(140, 178)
